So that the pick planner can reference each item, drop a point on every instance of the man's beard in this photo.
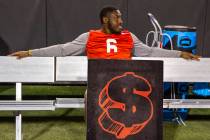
(112, 30)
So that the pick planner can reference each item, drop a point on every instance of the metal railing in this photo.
(74, 70)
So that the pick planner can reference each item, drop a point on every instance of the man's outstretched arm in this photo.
(142, 50)
(76, 47)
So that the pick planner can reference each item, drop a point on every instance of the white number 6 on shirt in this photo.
(110, 46)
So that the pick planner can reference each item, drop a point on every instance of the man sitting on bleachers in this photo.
(111, 41)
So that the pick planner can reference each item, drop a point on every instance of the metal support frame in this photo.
(18, 114)
(74, 69)
(186, 103)
(26, 105)
(31, 105)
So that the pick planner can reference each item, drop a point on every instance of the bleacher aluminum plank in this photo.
(186, 103)
(74, 68)
(79, 103)
(167, 103)
(31, 69)
(69, 103)
(27, 105)
(181, 70)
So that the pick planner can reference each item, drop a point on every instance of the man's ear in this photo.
(105, 20)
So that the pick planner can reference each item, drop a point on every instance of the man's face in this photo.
(115, 22)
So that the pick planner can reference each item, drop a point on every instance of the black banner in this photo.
(124, 100)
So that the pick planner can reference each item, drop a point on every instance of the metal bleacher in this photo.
(73, 69)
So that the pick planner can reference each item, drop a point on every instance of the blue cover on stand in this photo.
(201, 89)
(181, 91)
(184, 39)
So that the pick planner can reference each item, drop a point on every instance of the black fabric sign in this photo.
(124, 100)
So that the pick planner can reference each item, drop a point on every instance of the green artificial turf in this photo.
(69, 124)
(45, 128)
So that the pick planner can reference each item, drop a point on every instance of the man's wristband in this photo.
(29, 53)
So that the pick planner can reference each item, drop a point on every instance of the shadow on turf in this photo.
(81, 118)
(169, 130)
(44, 119)
(39, 97)
(54, 119)
(199, 117)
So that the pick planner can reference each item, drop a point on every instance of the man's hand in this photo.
(190, 56)
(21, 54)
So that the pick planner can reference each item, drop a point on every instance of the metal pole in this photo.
(18, 113)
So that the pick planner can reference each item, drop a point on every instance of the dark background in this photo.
(29, 24)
